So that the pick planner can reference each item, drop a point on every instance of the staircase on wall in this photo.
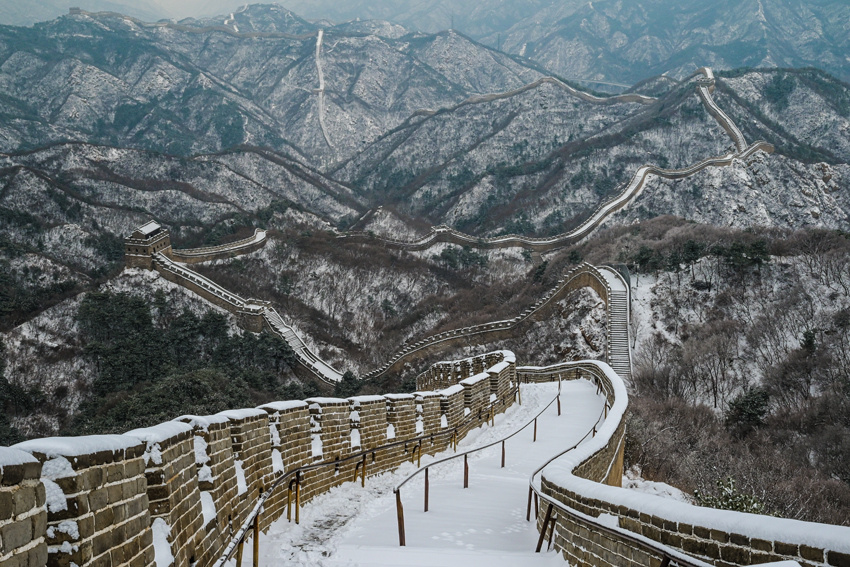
(619, 351)
(318, 366)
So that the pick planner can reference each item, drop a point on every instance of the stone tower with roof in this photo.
(146, 241)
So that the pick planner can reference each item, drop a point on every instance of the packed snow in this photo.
(356, 526)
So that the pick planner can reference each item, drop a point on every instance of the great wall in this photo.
(629, 191)
(204, 485)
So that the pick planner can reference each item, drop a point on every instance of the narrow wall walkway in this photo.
(482, 525)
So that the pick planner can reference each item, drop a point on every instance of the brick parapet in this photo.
(172, 487)
(23, 514)
(427, 412)
(368, 414)
(97, 500)
(289, 431)
(251, 445)
(185, 473)
(216, 474)
(691, 531)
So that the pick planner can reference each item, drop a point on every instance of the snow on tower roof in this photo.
(149, 228)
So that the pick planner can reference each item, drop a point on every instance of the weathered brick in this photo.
(786, 548)
(16, 534)
(837, 559)
(811, 553)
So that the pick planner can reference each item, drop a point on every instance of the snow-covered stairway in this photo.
(321, 368)
(619, 351)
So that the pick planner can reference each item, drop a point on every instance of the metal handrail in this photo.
(667, 554)
(252, 520)
(465, 455)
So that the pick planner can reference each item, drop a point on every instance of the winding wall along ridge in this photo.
(207, 253)
(584, 275)
(583, 483)
(629, 192)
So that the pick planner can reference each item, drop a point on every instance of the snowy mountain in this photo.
(627, 41)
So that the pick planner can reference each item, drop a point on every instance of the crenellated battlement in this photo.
(192, 482)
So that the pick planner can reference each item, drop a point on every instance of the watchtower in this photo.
(146, 241)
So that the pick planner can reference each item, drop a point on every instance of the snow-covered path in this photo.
(481, 525)
(321, 73)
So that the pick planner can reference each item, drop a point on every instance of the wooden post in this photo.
(289, 501)
(552, 532)
(298, 497)
(239, 552)
(559, 404)
(543, 529)
(503, 454)
(363, 472)
(528, 512)
(426, 489)
(465, 472)
(536, 506)
(535, 430)
(519, 394)
(257, 540)
(400, 515)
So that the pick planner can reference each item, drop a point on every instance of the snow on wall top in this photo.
(501, 367)
(202, 421)
(366, 399)
(472, 380)
(451, 390)
(426, 394)
(161, 432)
(326, 401)
(237, 414)
(10, 457)
(285, 405)
(75, 446)
(398, 396)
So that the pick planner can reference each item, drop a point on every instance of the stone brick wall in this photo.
(216, 476)
(476, 393)
(23, 515)
(97, 503)
(197, 478)
(252, 457)
(330, 420)
(451, 406)
(291, 422)
(697, 532)
(444, 374)
(172, 487)
(428, 412)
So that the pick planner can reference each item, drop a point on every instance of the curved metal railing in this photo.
(666, 554)
(465, 455)
(292, 479)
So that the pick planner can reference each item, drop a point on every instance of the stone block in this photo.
(838, 559)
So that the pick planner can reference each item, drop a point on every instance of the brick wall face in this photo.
(173, 495)
(451, 406)
(217, 478)
(251, 446)
(113, 496)
(106, 519)
(428, 412)
(23, 515)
